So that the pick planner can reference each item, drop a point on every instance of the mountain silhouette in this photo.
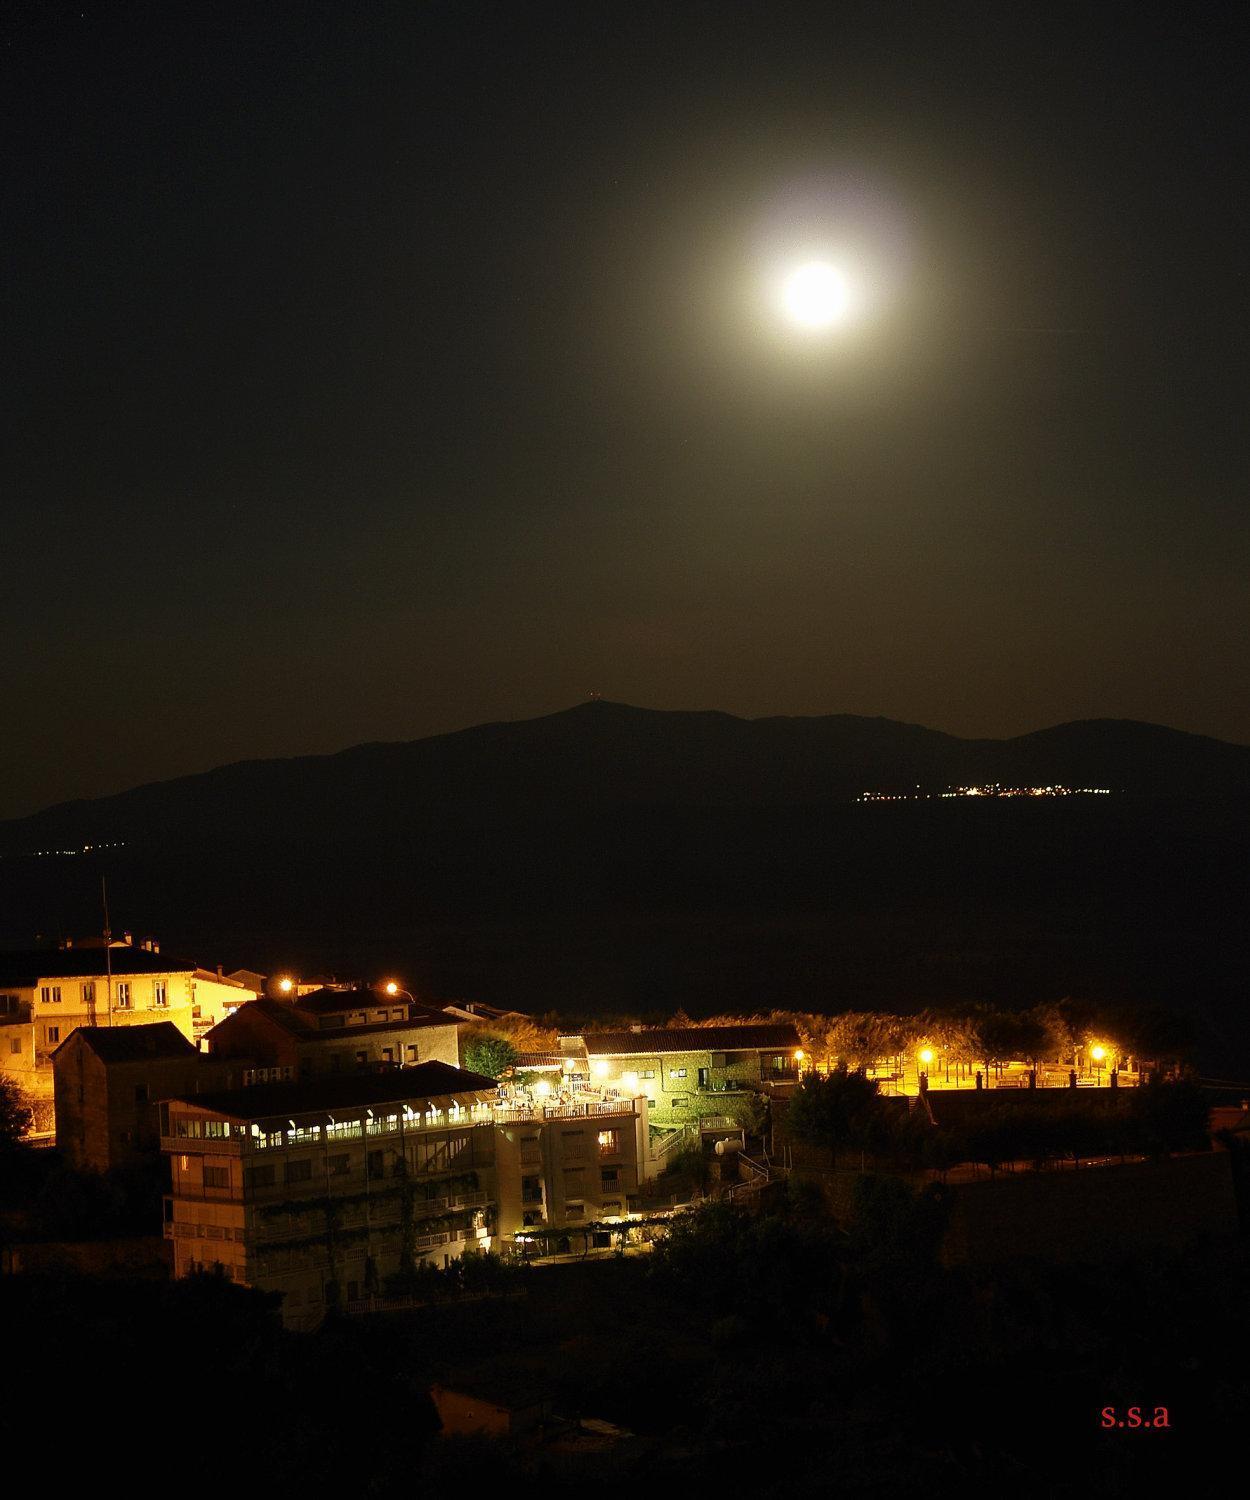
(610, 860)
(605, 756)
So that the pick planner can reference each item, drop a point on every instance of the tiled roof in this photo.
(143, 1043)
(538, 1060)
(211, 975)
(329, 1002)
(281, 1012)
(782, 1037)
(293, 1018)
(431, 1080)
(85, 963)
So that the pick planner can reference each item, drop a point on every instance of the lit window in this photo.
(50, 994)
(160, 992)
(123, 994)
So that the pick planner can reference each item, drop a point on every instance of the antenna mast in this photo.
(108, 947)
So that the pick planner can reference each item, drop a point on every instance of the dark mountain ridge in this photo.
(613, 860)
(602, 756)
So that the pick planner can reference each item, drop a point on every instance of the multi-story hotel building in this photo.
(321, 1189)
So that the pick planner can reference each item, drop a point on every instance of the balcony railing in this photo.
(241, 1140)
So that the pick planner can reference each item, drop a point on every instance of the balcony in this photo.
(185, 1145)
(242, 1142)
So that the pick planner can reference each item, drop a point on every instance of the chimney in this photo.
(218, 971)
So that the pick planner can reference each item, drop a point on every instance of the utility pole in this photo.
(108, 948)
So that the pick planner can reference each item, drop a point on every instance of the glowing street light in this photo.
(926, 1055)
(286, 984)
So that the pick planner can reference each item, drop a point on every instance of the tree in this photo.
(840, 1111)
(15, 1114)
(489, 1054)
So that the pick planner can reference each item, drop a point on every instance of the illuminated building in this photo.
(682, 1070)
(323, 1188)
(45, 995)
(336, 1031)
(109, 1081)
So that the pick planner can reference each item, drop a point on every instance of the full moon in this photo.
(815, 295)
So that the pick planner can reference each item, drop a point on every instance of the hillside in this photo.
(604, 756)
(610, 859)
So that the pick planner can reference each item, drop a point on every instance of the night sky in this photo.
(375, 370)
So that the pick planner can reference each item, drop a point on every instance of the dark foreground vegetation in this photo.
(782, 1349)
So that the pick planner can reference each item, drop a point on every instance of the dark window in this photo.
(217, 1177)
(340, 1166)
(141, 1093)
(299, 1171)
(259, 1177)
(704, 1077)
(376, 1167)
(362, 1059)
